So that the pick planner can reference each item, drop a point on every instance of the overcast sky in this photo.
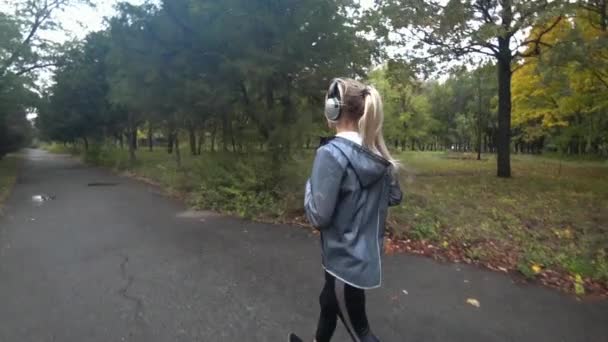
(80, 20)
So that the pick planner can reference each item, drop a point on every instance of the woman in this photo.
(353, 181)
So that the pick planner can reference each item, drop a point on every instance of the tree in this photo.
(24, 50)
(15, 101)
(562, 94)
(78, 102)
(457, 28)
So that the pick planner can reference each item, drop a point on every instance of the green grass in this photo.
(61, 148)
(8, 174)
(551, 213)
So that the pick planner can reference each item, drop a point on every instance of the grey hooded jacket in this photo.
(347, 197)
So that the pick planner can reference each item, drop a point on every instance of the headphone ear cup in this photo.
(332, 109)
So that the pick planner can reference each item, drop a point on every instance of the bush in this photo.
(247, 185)
(425, 229)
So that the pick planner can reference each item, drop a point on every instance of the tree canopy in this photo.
(251, 75)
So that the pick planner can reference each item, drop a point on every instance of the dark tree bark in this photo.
(192, 138)
(213, 134)
(178, 155)
(232, 140)
(150, 138)
(132, 139)
(503, 139)
(201, 141)
(86, 143)
(479, 120)
(170, 142)
(225, 132)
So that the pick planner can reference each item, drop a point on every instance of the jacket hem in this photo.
(351, 284)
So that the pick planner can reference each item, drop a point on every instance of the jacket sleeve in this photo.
(395, 195)
(322, 189)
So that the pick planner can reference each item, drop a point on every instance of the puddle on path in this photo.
(41, 198)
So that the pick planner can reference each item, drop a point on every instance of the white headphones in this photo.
(333, 104)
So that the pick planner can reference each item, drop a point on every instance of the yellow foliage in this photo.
(558, 87)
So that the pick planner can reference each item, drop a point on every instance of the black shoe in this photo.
(293, 338)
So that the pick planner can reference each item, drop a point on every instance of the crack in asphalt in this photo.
(138, 304)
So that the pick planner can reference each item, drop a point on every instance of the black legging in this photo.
(339, 299)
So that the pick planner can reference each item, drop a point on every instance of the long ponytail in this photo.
(370, 125)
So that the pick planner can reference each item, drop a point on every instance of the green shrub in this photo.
(601, 266)
(526, 269)
(425, 229)
(248, 185)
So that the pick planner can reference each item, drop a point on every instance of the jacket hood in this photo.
(368, 166)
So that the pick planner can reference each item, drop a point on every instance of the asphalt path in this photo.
(106, 258)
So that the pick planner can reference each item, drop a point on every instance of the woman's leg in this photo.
(329, 311)
(351, 303)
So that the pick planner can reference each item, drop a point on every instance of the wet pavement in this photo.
(120, 262)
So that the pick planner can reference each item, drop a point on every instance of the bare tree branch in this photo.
(537, 41)
(599, 77)
(455, 49)
(41, 15)
(479, 5)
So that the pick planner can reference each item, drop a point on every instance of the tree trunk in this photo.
(132, 137)
(178, 155)
(479, 121)
(150, 138)
(234, 149)
(485, 143)
(86, 143)
(213, 133)
(201, 141)
(192, 138)
(170, 141)
(225, 132)
(121, 142)
(503, 139)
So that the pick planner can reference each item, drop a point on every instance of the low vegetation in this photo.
(553, 215)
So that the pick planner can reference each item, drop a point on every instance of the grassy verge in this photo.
(253, 185)
(550, 221)
(552, 216)
(8, 174)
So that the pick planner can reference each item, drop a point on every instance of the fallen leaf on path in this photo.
(405, 292)
(473, 302)
(579, 287)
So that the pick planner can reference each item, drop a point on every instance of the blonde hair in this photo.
(363, 104)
